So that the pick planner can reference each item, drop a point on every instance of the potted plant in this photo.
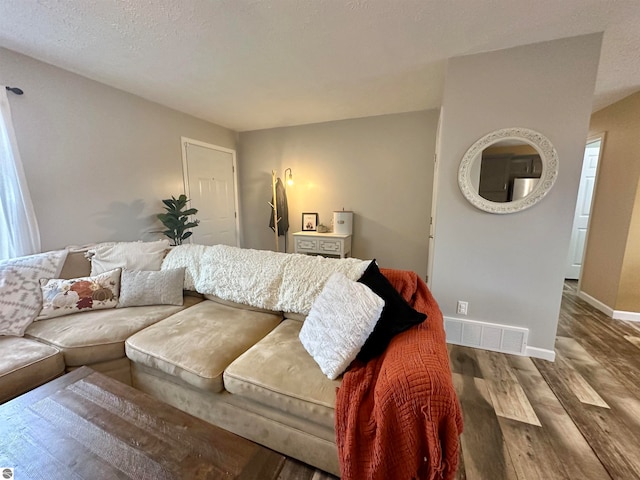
(176, 219)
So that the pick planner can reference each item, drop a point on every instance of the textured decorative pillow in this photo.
(129, 255)
(20, 294)
(63, 297)
(139, 288)
(397, 315)
(341, 319)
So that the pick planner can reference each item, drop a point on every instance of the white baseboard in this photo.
(542, 353)
(628, 316)
(595, 303)
(607, 310)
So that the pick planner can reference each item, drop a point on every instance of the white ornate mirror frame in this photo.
(548, 156)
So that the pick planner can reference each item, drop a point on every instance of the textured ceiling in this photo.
(252, 64)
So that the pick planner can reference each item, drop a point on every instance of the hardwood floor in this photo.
(295, 470)
(575, 418)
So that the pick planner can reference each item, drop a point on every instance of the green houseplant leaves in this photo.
(176, 219)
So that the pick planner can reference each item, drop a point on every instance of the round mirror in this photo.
(508, 170)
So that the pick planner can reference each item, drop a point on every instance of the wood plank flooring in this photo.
(577, 418)
(295, 470)
(85, 425)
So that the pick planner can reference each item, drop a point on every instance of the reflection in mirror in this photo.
(508, 170)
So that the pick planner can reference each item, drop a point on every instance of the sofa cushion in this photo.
(196, 345)
(129, 255)
(91, 337)
(279, 373)
(242, 306)
(76, 264)
(299, 317)
(26, 364)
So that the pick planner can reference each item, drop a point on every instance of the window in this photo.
(19, 233)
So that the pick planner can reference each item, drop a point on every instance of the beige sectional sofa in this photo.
(233, 355)
(236, 366)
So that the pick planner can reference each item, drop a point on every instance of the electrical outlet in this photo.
(463, 307)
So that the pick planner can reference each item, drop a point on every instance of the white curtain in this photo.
(19, 233)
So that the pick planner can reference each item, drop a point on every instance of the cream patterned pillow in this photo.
(139, 288)
(63, 297)
(129, 255)
(341, 319)
(20, 294)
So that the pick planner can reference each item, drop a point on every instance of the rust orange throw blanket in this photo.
(398, 416)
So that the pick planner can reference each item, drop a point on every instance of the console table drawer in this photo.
(330, 246)
(306, 245)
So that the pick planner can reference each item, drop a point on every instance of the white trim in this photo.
(608, 311)
(542, 353)
(597, 304)
(592, 139)
(627, 316)
(431, 246)
(185, 174)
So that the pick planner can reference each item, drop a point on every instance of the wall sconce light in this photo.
(288, 178)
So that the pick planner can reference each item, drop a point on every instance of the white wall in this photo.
(510, 268)
(98, 160)
(379, 167)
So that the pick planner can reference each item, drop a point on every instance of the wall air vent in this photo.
(489, 336)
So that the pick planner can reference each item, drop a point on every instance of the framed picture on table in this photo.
(309, 222)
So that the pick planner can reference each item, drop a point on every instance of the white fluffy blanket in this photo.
(260, 278)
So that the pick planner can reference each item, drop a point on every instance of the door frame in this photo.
(184, 141)
(434, 195)
(590, 139)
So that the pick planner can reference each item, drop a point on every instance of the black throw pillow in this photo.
(397, 315)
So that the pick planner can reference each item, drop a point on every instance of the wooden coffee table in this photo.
(85, 425)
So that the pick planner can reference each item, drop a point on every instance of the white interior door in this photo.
(583, 209)
(210, 184)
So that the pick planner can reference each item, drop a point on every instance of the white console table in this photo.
(322, 243)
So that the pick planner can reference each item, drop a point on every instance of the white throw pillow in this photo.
(341, 319)
(138, 288)
(61, 296)
(129, 255)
